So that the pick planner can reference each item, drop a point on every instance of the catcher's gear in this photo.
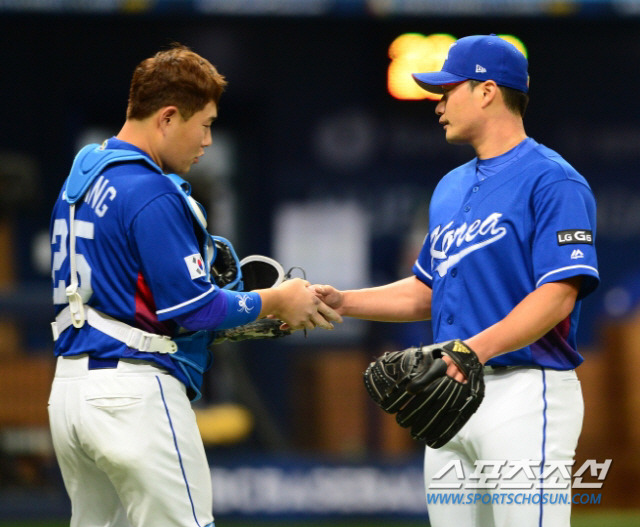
(261, 272)
(258, 272)
(414, 385)
(225, 270)
(265, 328)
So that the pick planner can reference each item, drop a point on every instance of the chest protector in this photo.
(188, 350)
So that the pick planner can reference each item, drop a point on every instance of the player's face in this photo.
(186, 139)
(458, 112)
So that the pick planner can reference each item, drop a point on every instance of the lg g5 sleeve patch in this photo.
(575, 236)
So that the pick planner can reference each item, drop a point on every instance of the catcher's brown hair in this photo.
(174, 77)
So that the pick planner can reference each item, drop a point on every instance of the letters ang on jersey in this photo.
(99, 194)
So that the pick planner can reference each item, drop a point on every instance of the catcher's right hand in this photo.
(413, 383)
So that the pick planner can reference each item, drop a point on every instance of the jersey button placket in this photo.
(452, 273)
(474, 189)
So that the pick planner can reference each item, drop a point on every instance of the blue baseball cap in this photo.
(482, 58)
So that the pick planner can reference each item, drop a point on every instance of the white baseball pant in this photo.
(128, 446)
(528, 414)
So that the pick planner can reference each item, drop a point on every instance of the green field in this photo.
(591, 519)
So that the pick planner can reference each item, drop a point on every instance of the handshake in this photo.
(288, 304)
(297, 305)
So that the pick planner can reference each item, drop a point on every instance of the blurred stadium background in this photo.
(324, 159)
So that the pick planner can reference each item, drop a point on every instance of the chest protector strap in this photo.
(88, 165)
(211, 242)
(133, 337)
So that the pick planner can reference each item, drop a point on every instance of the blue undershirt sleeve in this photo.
(227, 309)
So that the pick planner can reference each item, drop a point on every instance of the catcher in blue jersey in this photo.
(140, 289)
(508, 258)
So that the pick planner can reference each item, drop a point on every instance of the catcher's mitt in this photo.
(264, 328)
(258, 272)
(413, 383)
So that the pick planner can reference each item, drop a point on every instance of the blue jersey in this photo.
(493, 240)
(139, 258)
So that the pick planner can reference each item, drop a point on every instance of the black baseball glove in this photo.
(414, 385)
(264, 328)
(258, 272)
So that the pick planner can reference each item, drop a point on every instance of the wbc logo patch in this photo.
(195, 264)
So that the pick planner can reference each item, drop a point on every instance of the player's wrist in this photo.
(271, 301)
(479, 349)
(354, 303)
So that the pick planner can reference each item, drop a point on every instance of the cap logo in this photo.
(449, 50)
(480, 69)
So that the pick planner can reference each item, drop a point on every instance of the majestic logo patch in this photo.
(195, 264)
(575, 236)
(577, 254)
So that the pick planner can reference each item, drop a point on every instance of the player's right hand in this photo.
(300, 308)
(331, 296)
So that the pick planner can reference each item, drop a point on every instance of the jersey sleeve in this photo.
(565, 233)
(170, 258)
(422, 266)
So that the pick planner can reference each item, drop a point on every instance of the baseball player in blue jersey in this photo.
(135, 305)
(508, 258)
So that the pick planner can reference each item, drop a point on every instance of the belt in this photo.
(503, 369)
(72, 366)
(98, 363)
